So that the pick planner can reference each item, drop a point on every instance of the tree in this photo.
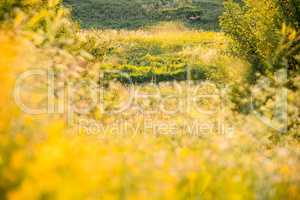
(266, 33)
(255, 26)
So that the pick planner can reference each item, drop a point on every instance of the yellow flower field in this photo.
(165, 140)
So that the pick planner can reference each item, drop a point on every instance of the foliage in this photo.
(256, 28)
(45, 23)
(134, 14)
(164, 52)
(266, 33)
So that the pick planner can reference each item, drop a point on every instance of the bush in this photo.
(266, 33)
(256, 26)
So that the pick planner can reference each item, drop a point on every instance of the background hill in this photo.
(131, 14)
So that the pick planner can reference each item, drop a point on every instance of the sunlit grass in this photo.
(93, 156)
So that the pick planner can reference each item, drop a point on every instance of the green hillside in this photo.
(131, 14)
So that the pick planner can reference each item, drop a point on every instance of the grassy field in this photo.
(120, 14)
(164, 52)
(132, 114)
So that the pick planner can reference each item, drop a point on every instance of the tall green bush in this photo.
(266, 33)
(255, 26)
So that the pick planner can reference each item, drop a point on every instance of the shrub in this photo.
(266, 33)
(255, 26)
